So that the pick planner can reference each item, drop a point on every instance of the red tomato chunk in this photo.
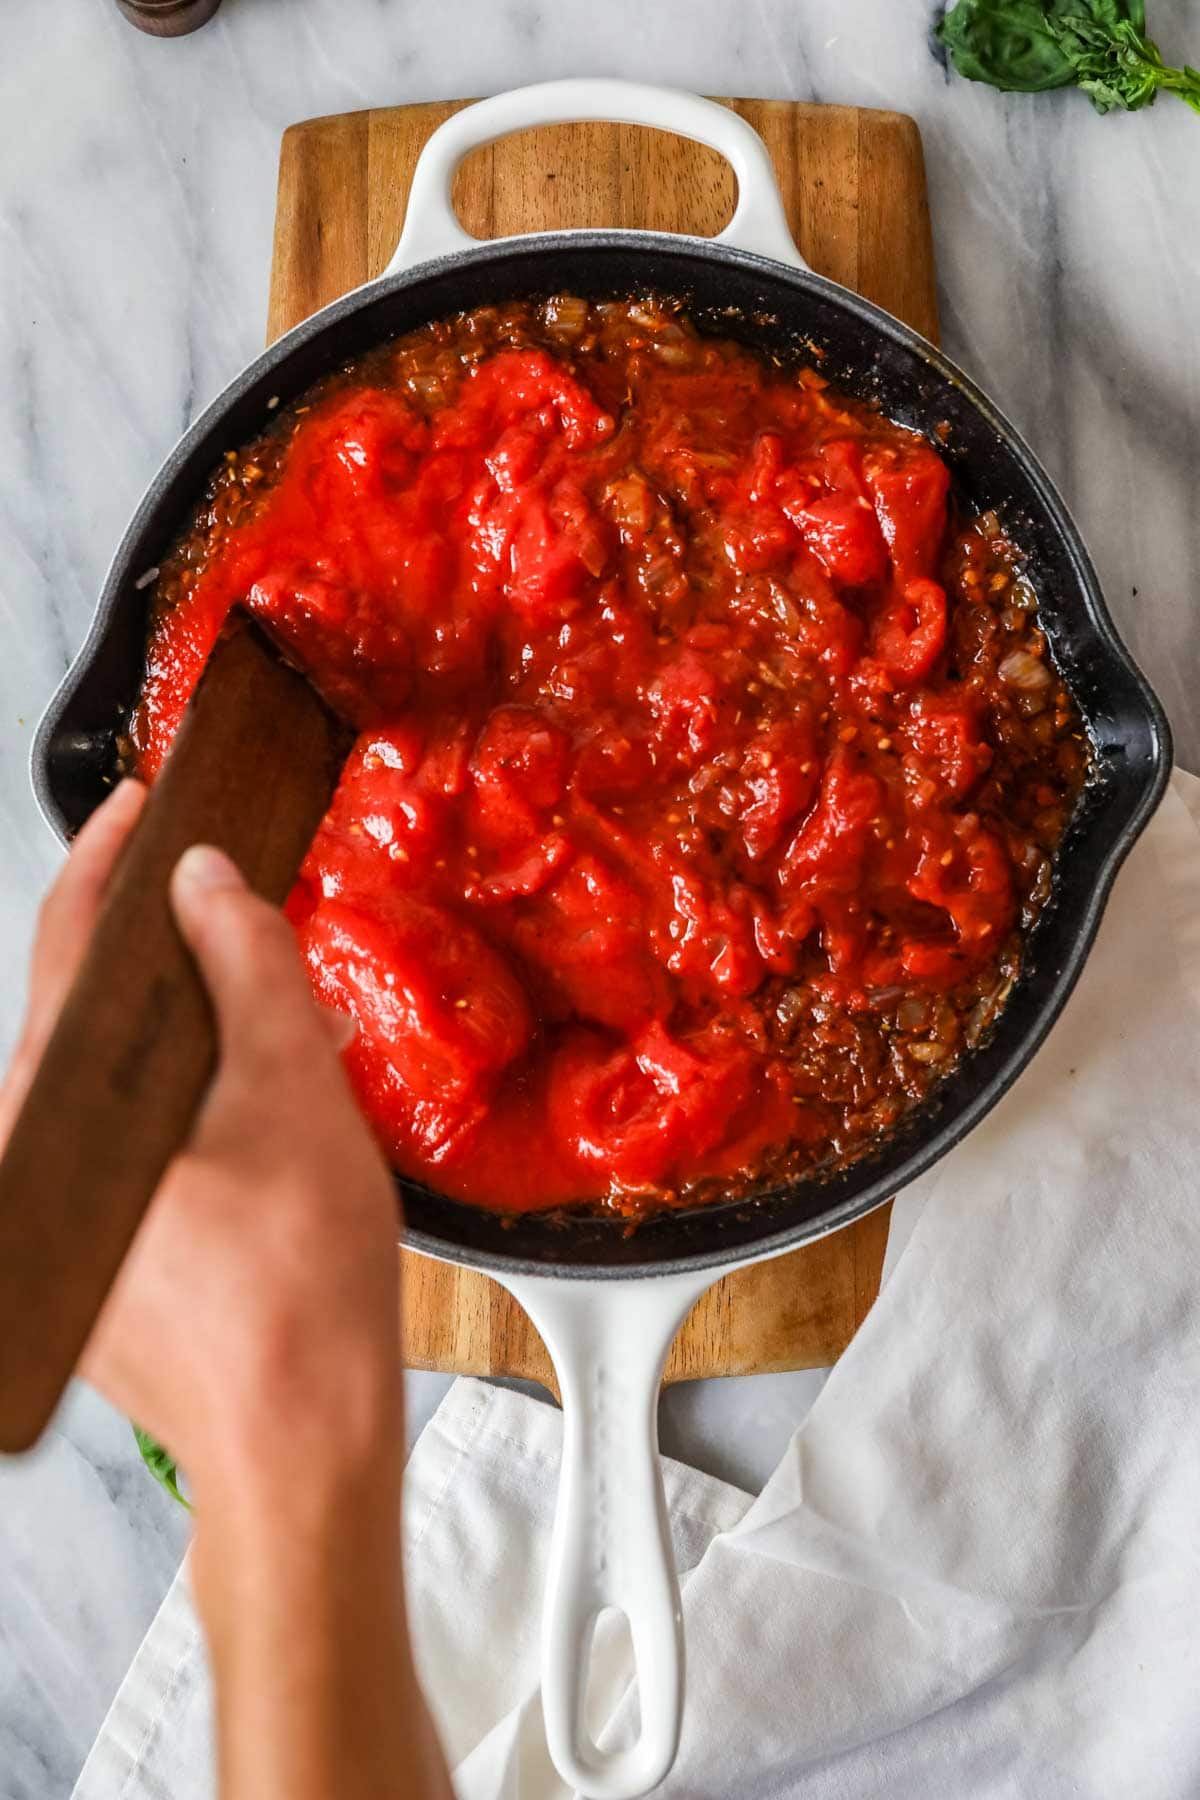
(708, 772)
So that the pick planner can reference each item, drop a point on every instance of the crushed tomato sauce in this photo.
(708, 772)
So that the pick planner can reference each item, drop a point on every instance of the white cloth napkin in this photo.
(976, 1571)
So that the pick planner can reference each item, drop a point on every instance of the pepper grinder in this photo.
(168, 18)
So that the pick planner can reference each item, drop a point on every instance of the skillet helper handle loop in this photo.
(431, 227)
(611, 1545)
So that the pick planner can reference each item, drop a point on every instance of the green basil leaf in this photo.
(1101, 46)
(1114, 64)
(1007, 43)
(1105, 16)
(161, 1464)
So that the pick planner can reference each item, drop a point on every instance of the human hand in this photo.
(254, 1328)
(257, 1311)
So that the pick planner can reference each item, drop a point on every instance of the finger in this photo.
(249, 960)
(339, 1026)
(69, 910)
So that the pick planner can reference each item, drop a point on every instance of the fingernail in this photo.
(127, 793)
(340, 1026)
(203, 870)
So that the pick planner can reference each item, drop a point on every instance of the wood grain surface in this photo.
(853, 182)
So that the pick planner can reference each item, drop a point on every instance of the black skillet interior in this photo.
(870, 355)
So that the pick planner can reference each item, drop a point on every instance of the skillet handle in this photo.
(611, 1545)
(431, 227)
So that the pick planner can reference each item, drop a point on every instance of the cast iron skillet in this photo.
(771, 302)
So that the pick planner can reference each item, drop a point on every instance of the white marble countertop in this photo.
(137, 186)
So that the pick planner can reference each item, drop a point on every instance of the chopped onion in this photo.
(566, 317)
(790, 1007)
(630, 502)
(1021, 669)
(428, 386)
(674, 356)
(650, 318)
(912, 1014)
(983, 1013)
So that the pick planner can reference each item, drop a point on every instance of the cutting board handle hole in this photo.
(576, 177)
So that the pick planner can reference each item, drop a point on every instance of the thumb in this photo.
(249, 961)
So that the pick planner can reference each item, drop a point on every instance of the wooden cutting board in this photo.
(853, 182)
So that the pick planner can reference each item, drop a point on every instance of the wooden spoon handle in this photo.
(252, 771)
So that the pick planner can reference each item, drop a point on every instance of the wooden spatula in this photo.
(252, 771)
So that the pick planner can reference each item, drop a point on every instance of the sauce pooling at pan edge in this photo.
(707, 772)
